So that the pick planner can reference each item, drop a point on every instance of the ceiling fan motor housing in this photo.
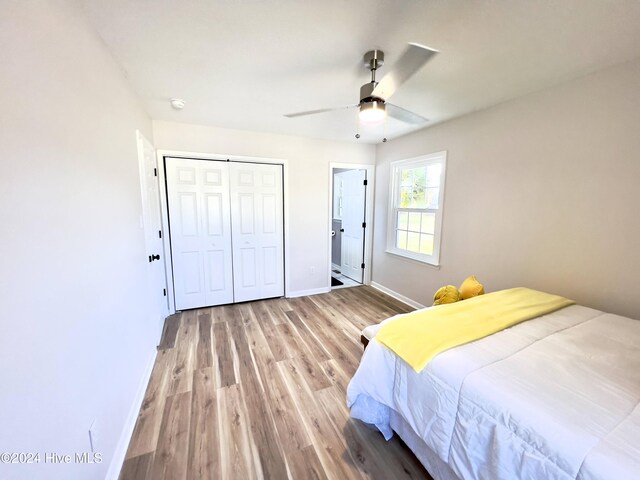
(373, 59)
(366, 91)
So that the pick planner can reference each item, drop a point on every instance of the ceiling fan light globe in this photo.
(372, 112)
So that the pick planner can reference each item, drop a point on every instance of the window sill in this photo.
(411, 259)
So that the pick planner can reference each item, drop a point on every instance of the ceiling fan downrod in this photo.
(373, 60)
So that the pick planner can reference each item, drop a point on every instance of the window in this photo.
(415, 211)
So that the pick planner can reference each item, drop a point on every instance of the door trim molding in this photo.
(368, 236)
(219, 157)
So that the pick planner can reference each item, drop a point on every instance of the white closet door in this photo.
(198, 194)
(257, 224)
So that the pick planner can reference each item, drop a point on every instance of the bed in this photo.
(555, 397)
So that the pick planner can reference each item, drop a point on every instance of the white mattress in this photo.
(556, 397)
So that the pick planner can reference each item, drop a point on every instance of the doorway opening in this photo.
(350, 186)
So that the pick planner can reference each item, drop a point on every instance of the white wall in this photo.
(75, 337)
(308, 185)
(541, 192)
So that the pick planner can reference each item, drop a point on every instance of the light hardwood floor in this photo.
(257, 390)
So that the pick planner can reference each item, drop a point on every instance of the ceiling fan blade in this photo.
(413, 58)
(403, 115)
(321, 110)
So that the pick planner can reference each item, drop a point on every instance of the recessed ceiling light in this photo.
(177, 103)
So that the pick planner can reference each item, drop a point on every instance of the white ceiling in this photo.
(244, 63)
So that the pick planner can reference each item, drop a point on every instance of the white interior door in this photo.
(199, 218)
(353, 217)
(156, 274)
(257, 225)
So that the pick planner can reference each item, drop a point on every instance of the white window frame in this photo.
(394, 189)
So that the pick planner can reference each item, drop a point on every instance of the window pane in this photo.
(406, 178)
(432, 197)
(426, 244)
(401, 239)
(413, 182)
(419, 184)
(414, 221)
(433, 175)
(403, 219)
(419, 199)
(420, 176)
(413, 242)
(406, 197)
(428, 223)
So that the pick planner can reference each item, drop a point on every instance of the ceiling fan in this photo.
(374, 95)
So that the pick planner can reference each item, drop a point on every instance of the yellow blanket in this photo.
(419, 336)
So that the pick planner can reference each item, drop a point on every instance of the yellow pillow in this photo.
(448, 294)
(471, 287)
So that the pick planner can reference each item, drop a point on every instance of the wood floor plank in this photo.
(327, 442)
(235, 451)
(267, 453)
(311, 372)
(246, 369)
(182, 374)
(204, 351)
(310, 340)
(225, 370)
(169, 333)
(275, 342)
(291, 432)
(257, 390)
(278, 309)
(147, 429)
(217, 315)
(336, 375)
(266, 444)
(294, 344)
(359, 452)
(384, 299)
(364, 445)
(305, 464)
(171, 456)
(350, 332)
(204, 443)
(342, 350)
(137, 468)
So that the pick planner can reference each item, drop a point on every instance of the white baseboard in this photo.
(305, 293)
(397, 295)
(335, 267)
(125, 437)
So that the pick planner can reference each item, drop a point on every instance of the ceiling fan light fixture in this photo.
(372, 112)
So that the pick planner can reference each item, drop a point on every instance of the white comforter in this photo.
(552, 398)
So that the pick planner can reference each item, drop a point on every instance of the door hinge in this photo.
(364, 183)
(159, 233)
(164, 292)
(362, 265)
(155, 172)
(364, 224)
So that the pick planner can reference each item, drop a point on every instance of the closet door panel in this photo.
(257, 224)
(200, 226)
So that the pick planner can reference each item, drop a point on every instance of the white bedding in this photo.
(556, 397)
